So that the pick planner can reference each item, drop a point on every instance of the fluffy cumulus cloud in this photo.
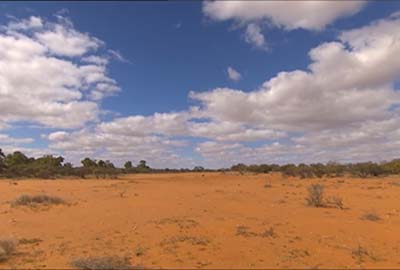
(289, 15)
(343, 107)
(50, 75)
(310, 15)
(105, 143)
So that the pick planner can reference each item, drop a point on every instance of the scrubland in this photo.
(200, 220)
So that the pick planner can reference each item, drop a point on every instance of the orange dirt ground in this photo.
(210, 220)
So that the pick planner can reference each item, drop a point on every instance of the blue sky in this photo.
(166, 50)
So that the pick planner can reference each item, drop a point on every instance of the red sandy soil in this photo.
(210, 220)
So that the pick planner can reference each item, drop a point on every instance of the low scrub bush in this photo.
(28, 200)
(315, 195)
(103, 263)
(7, 248)
(335, 202)
(371, 216)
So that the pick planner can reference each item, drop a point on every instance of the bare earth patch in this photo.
(188, 220)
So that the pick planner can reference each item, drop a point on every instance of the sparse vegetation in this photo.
(7, 248)
(245, 232)
(335, 202)
(31, 241)
(140, 251)
(268, 185)
(42, 199)
(330, 169)
(193, 240)
(361, 254)
(371, 216)
(17, 165)
(102, 263)
(315, 195)
(269, 233)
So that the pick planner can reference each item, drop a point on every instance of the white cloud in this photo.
(26, 24)
(39, 87)
(64, 40)
(118, 56)
(28, 151)
(160, 151)
(254, 36)
(342, 107)
(344, 85)
(311, 15)
(288, 15)
(233, 74)
(6, 139)
(58, 136)
(93, 59)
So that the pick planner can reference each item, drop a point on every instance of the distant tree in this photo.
(198, 169)
(142, 164)
(239, 167)
(128, 165)
(2, 164)
(101, 164)
(109, 164)
(16, 158)
(49, 161)
(88, 163)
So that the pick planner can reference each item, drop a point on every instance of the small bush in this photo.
(29, 241)
(28, 200)
(268, 185)
(371, 216)
(7, 248)
(360, 254)
(102, 263)
(335, 202)
(315, 195)
(140, 251)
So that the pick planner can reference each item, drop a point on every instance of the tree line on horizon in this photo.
(17, 165)
(330, 169)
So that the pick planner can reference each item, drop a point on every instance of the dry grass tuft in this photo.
(371, 216)
(315, 195)
(245, 232)
(335, 202)
(7, 248)
(361, 254)
(140, 251)
(29, 241)
(268, 185)
(35, 200)
(102, 263)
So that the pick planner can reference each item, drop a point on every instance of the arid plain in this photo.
(205, 220)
